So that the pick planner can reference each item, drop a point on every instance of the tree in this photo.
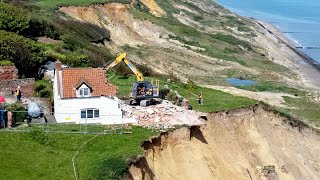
(12, 18)
(26, 54)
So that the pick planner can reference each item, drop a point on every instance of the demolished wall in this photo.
(233, 145)
(8, 72)
(26, 86)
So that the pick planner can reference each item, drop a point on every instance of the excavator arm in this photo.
(123, 58)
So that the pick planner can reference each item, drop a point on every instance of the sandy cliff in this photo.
(233, 145)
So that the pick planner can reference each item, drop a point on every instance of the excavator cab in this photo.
(143, 91)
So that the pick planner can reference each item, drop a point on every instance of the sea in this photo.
(297, 19)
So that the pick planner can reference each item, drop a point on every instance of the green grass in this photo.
(244, 29)
(214, 100)
(72, 128)
(272, 86)
(304, 109)
(45, 156)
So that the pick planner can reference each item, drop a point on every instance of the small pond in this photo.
(240, 82)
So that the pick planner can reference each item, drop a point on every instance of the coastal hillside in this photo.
(199, 42)
(193, 48)
(205, 43)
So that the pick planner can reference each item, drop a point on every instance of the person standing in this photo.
(200, 99)
(1, 117)
(18, 94)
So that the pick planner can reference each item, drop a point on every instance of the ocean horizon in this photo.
(298, 20)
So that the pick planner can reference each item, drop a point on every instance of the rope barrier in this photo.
(73, 158)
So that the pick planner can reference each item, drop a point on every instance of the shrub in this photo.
(40, 85)
(83, 31)
(190, 85)
(98, 57)
(39, 27)
(145, 70)
(12, 18)
(244, 29)
(123, 70)
(44, 89)
(163, 93)
(172, 96)
(75, 59)
(18, 112)
(6, 63)
(46, 93)
(27, 55)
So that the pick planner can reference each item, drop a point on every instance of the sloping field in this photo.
(233, 145)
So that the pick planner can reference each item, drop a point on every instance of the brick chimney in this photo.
(58, 65)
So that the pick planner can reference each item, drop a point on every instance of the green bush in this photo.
(18, 112)
(75, 59)
(46, 93)
(163, 93)
(244, 29)
(40, 85)
(98, 56)
(83, 31)
(12, 18)
(6, 63)
(172, 96)
(38, 27)
(26, 54)
(44, 89)
(145, 70)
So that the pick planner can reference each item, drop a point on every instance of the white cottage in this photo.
(83, 95)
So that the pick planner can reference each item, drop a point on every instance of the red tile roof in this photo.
(94, 77)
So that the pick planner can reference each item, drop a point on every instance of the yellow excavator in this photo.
(142, 92)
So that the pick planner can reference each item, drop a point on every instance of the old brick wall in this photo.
(8, 72)
(26, 86)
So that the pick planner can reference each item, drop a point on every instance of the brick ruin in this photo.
(26, 86)
(9, 82)
(8, 73)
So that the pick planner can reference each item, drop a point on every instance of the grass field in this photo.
(39, 155)
(304, 108)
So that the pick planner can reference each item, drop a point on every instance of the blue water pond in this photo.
(240, 82)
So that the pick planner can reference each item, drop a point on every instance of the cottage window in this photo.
(90, 113)
(84, 92)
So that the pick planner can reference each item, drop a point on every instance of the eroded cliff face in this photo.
(233, 145)
(162, 49)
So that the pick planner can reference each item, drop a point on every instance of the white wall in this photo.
(68, 110)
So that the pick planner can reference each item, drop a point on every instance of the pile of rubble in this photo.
(164, 115)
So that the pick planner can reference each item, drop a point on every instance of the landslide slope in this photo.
(194, 40)
(233, 145)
